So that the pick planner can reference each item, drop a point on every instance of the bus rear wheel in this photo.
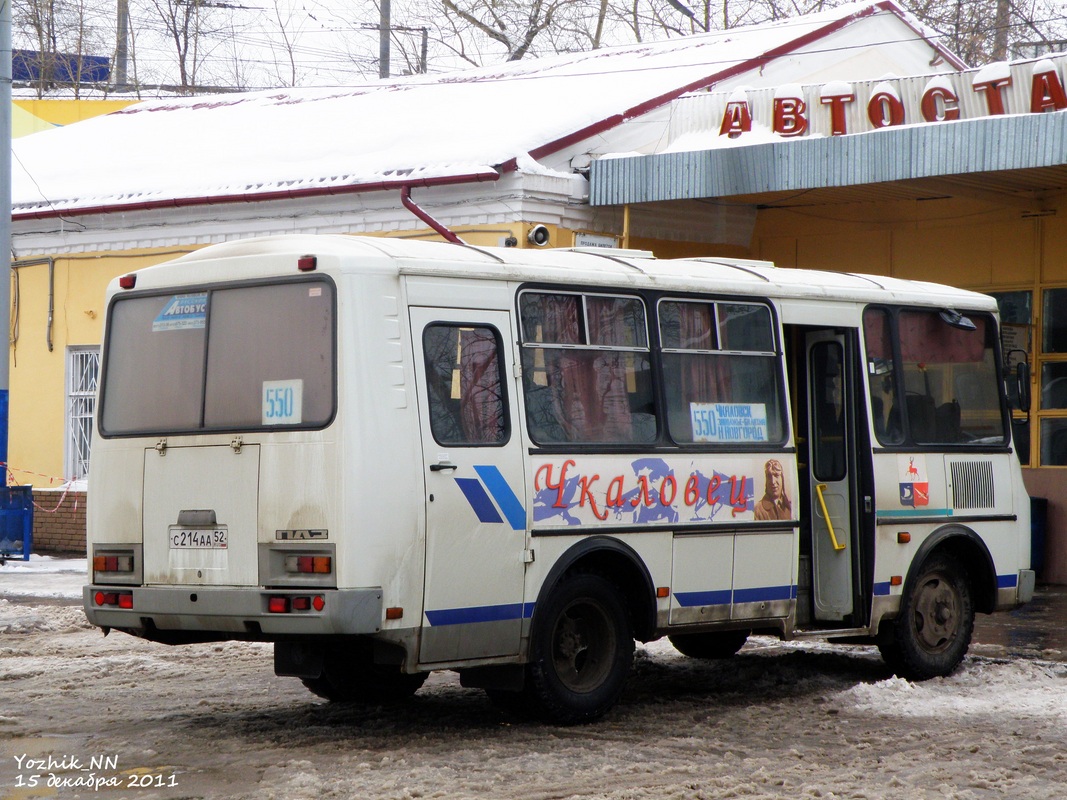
(581, 651)
(931, 635)
(721, 644)
(349, 675)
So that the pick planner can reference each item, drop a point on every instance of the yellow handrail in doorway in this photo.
(829, 524)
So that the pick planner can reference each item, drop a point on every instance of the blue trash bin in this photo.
(16, 522)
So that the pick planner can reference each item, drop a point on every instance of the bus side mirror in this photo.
(1022, 378)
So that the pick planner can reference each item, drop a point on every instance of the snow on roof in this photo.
(414, 131)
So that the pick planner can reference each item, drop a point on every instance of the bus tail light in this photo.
(287, 566)
(114, 599)
(115, 565)
(309, 565)
(286, 604)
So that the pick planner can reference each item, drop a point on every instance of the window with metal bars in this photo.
(83, 369)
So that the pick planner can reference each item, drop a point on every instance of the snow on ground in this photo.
(43, 576)
(780, 720)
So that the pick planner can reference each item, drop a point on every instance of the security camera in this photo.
(538, 236)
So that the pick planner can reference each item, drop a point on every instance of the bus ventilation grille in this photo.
(972, 484)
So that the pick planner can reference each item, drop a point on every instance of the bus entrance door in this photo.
(473, 464)
(831, 401)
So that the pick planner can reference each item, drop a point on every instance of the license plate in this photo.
(198, 538)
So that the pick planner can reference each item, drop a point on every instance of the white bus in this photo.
(392, 457)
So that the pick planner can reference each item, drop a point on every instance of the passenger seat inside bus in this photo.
(922, 417)
(948, 422)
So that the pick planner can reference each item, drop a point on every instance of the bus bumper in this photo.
(168, 614)
(1027, 581)
(1014, 592)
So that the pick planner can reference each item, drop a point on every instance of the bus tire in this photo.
(349, 675)
(710, 646)
(930, 636)
(581, 651)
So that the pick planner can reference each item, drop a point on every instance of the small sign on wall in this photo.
(595, 240)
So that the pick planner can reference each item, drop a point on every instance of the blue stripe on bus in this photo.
(462, 616)
(515, 611)
(763, 593)
(716, 598)
(504, 496)
(723, 597)
(1003, 582)
(479, 500)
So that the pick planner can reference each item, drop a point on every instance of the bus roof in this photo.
(610, 268)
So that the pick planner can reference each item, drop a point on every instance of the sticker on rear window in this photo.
(283, 402)
(183, 312)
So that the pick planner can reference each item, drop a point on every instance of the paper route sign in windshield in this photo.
(729, 422)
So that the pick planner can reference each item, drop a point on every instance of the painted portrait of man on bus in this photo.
(775, 503)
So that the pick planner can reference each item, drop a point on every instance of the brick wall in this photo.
(58, 521)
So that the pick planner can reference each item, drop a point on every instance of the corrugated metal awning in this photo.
(1015, 160)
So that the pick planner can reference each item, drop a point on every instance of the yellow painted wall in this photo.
(37, 414)
(67, 112)
(949, 241)
(23, 123)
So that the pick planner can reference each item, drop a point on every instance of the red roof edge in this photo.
(777, 52)
(286, 194)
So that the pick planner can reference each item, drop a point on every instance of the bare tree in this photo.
(513, 24)
(193, 28)
(59, 34)
(37, 20)
(288, 29)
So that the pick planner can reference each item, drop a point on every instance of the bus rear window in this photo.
(237, 358)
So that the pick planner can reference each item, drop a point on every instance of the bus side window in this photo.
(463, 380)
(585, 363)
(717, 353)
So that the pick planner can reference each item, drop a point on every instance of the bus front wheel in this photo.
(581, 651)
(930, 636)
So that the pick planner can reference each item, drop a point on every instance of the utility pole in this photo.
(119, 79)
(5, 219)
(384, 33)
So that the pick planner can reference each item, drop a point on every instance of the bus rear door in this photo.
(476, 519)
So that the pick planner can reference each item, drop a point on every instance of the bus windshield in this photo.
(234, 358)
(940, 385)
